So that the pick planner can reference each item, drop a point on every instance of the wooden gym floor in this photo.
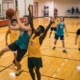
(56, 64)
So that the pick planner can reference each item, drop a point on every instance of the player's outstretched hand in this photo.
(29, 8)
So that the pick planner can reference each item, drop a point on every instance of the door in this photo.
(6, 5)
(35, 9)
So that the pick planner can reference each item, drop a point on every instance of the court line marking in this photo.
(47, 56)
(6, 67)
(41, 75)
(61, 58)
(26, 71)
(56, 47)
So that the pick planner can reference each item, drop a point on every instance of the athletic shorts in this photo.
(58, 36)
(20, 52)
(53, 28)
(34, 63)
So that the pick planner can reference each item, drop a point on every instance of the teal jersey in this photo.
(60, 29)
(23, 40)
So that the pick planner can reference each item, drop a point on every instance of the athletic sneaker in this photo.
(54, 48)
(18, 72)
(79, 49)
(64, 51)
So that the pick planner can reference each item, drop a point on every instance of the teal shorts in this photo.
(34, 63)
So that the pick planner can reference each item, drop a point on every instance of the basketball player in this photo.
(78, 36)
(60, 33)
(14, 35)
(53, 26)
(21, 43)
(34, 53)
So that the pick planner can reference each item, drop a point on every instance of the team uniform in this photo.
(14, 35)
(34, 53)
(60, 34)
(53, 25)
(20, 45)
(60, 31)
(78, 33)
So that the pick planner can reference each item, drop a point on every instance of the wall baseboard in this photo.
(59, 17)
(39, 17)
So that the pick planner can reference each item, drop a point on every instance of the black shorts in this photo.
(57, 37)
(53, 28)
(34, 63)
(20, 52)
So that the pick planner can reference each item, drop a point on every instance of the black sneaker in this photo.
(79, 49)
(64, 51)
(54, 48)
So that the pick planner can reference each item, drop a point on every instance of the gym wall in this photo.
(1, 6)
(64, 5)
(22, 6)
(41, 4)
(61, 5)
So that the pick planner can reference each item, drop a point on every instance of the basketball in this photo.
(10, 13)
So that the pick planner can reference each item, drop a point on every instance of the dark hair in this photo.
(42, 28)
(26, 15)
(13, 20)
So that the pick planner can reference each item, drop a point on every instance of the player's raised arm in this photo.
(31, 19)
(47, 28)
(6, 37)
(23, 27)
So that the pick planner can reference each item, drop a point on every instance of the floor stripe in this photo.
(6, 67)
(61, 58)
(41, 75)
